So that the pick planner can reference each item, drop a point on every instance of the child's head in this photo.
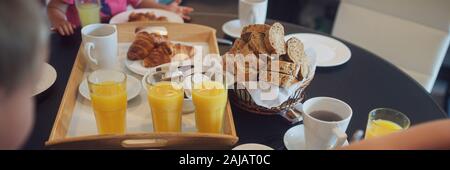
(23, 48)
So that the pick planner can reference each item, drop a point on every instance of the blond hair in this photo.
(23, 34)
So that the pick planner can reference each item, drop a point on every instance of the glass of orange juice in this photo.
(165, 98)
(109, 100)
(383, 121)
(210, 99)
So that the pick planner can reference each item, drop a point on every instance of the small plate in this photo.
(123, 17)
(48, 78)
(252, 146)
(329, 51)
(294, 138)
(232, 28)
(136, 66)
(133, 88)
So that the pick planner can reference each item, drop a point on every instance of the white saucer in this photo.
(329, 51)
(133, 88)
(252, 146)
(48, 77)
(294, 138)
(232, 28)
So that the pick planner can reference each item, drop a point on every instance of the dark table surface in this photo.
(365, 82)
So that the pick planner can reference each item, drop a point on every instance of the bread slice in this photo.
(274, 39)
(245, 50)
(295, 50)
(244, 74)
(255, 28)
(283, 80)
(237, 45)
(260, 28)
(256, 43)
(284, 67)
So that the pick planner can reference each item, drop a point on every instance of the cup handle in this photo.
(88, 46)
(341, 137)
(144, 84)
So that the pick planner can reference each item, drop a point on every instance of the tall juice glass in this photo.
(166, 101)
(88, 11)
(210, 99)
(109, 100)
(383, 121)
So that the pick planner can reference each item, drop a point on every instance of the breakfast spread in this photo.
(268, 40)
(147, 16)
(153, 48)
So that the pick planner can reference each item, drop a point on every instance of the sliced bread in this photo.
(284, 67)
(237, 45)
(274, 39)
(283, 80)
(256, 43)
(255, 28)
(295, 50)
(261, 28)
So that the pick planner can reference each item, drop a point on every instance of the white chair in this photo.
(411, 34)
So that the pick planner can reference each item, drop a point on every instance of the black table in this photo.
(365, 82)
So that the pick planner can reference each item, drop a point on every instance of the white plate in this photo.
(137, 67)
(252, 146)
(329, 51)
(48, 77)
(133, 88)
(232, 28)
(294, 138)
(123, 17)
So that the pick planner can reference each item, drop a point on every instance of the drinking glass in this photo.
(165, 97)
(88, 11)
(109, 100)
(210, 99)
(383, 121)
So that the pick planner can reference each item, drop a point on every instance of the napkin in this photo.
(273, 95)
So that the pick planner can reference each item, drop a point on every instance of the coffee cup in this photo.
(252, 12)
(325, 121)
(100, 45)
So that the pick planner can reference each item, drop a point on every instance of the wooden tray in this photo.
(163, 140)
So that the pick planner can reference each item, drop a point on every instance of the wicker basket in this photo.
(242, 99)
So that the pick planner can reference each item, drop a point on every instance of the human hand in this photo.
(63, 27)
(183, 11)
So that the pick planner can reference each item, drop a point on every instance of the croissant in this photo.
(144, 44)
(187, 51)
(148, 16)
(159, 55)
(166, 52)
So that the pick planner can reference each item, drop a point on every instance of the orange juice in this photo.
(109, 100)
(381, 127)
(166, 101)
(210, 99)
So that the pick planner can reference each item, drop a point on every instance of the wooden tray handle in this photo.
(144, 143)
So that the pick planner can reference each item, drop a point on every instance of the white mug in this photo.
(100, 45)
(252, 12)
(320, 134)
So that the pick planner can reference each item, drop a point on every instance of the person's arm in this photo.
(431, 135)
(56, 11)
(183, 11)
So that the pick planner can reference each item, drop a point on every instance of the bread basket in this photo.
(242, 99)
